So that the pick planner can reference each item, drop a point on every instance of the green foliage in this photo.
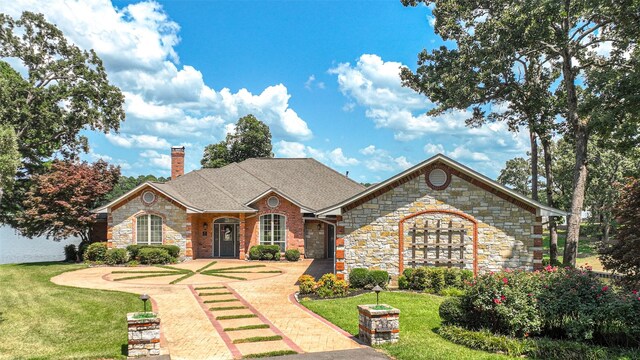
(327, 286)
(116, 256)
(70, 253)
(154, 255)
(378, 277)
(134, 250)
(9, 155)
(451, 311)
(292, 254)
(264, 252)
(403, 283)
(434, 279)
(482, 340)
(451, 291)
(96, 252)
(624, 255)
(306, 284)
(251, 139)
(66, 91)
(59, 203)
(358, 278)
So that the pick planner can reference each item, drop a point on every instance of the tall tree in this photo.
(624, 255)
(59, 202)
(567, 37)
(9, 158)
(251, 139)
(517, 175)
(66, 91)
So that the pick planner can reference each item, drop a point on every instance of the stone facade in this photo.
(500, 233)
(176, 224)
(316, 240)
(143, 336)
(378, 324)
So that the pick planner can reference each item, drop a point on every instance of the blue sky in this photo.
(322, 74)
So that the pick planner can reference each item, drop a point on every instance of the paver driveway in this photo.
(190, 310)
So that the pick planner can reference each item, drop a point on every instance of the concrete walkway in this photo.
(190, 310)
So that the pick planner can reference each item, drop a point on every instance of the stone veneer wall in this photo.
(315, 244)
(294, 222)
(508, 235)
(176, 224)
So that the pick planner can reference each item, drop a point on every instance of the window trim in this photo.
(137, 233)
(271, 242)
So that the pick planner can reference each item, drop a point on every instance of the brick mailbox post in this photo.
(378, 324)
(144, 335)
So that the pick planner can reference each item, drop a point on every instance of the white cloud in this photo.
(95, 156)
(311, 83)
(164, 99)
(161, 161)
(335, 157)
(338, 158)
(379, 160)
(432, 149)
(138, 141)
(462, 153)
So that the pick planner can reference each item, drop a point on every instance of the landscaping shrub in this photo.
(358, 278)
(451, 311)
(154, 255)
(116, 256)
(451, 291)
(434, 279)
(265, 252)
(483, 340)
(306, 284)
(70, 253)
(96, 252)
(377, 277)
(403, 283)
(134, 250)
(292, 255)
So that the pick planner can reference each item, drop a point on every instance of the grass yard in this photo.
(41, 320)
(419, 320)
(587, 254)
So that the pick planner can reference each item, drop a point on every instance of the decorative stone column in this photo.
(144, 335)
(378, 324)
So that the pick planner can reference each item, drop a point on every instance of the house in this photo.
(438, 213)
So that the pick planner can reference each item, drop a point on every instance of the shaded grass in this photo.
(144, 276)
(206, 266)
(257, 339)
(419, 321)
(219, 301)
(270, 354)
(223, 276)
(247, 327)
(219, 308)
(47, 321)
(209, 288)
(231, 317)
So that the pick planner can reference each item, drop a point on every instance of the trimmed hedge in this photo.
(116, 256)
(264, 252)
(292, 255)
(434, 279)
(358, 278)
(96, 252)
(537, 348)
(134, 250)
(154, 255)
(378, 277)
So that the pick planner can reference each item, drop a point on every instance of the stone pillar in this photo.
(339, 245)
(188, 253)
(144, 336)
(378, 324)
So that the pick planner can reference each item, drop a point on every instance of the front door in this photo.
(225, 238)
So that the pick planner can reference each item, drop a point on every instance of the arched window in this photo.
(273, 230)
(149, 229)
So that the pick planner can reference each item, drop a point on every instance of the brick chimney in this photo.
(177, 161)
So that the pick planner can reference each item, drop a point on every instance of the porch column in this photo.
(241, 235)
(189, 237)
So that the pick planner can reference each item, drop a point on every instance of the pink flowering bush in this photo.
(556, 303)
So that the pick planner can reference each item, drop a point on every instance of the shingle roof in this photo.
(232, 188)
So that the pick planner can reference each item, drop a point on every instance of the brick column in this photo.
(537, 244)
(109, 230)
(241, 236)
(340, 269)
(189, 237)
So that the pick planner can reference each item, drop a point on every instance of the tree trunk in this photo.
(548, 173)
(534, 164)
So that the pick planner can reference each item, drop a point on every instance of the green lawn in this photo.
(419, 320)
(41, 320)
(587, 251)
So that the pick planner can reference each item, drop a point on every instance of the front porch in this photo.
(231, 235)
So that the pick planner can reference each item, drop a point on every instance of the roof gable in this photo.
(457, 169)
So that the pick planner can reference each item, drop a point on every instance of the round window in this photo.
(273, 202)
(438, 179)
(148, 197)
